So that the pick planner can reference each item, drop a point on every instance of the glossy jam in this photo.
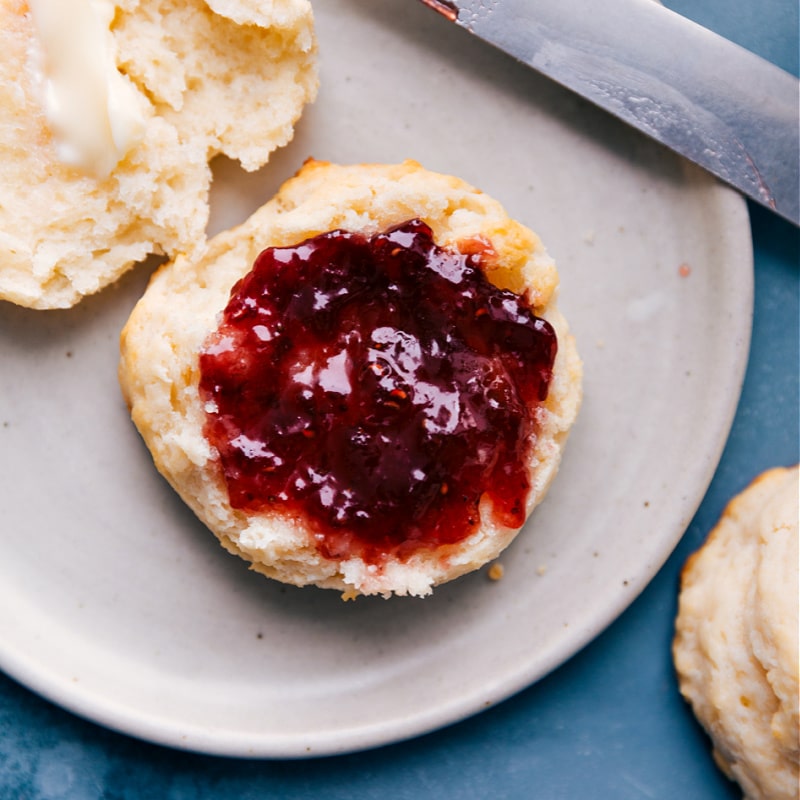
(376, 388)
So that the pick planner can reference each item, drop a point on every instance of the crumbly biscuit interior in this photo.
(220, 77)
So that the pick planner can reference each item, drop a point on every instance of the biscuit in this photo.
(212, 77)
(736, 642)
(162, 341)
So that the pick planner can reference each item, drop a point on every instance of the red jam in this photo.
(376, 388)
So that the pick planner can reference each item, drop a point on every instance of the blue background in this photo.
(608, 724)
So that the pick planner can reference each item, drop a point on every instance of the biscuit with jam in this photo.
(736, 642)
(367, 386)
(198, 78)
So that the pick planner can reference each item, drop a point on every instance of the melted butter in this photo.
(96, 115)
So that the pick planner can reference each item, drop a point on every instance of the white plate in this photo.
(117, 604)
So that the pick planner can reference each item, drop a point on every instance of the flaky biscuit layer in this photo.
(736, 643)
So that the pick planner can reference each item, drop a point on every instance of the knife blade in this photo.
(714, 102)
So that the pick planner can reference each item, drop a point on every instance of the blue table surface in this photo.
(609, 723)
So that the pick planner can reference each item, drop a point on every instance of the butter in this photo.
(95, 114)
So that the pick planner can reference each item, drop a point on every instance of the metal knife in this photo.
(717, 104)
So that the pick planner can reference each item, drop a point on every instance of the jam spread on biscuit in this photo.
(378, 388)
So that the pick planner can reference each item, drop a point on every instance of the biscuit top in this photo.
(736, 640)
(378, 389)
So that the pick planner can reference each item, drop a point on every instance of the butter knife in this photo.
(719, 105)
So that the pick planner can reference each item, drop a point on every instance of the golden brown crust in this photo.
(162, 340)
(736, 642)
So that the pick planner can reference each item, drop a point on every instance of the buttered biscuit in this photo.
(162, 86)
(338, 434)
(736, 643)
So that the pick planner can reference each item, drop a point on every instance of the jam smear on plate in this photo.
(376, 388)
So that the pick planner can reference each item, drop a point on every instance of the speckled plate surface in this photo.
(117, 604)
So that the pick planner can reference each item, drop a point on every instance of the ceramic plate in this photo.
(117, 604)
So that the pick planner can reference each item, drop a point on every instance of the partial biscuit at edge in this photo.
(736, 641)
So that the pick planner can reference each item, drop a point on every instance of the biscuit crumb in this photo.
(541, 569)
(496, 572)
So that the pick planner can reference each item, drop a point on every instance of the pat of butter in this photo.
(95, 114)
